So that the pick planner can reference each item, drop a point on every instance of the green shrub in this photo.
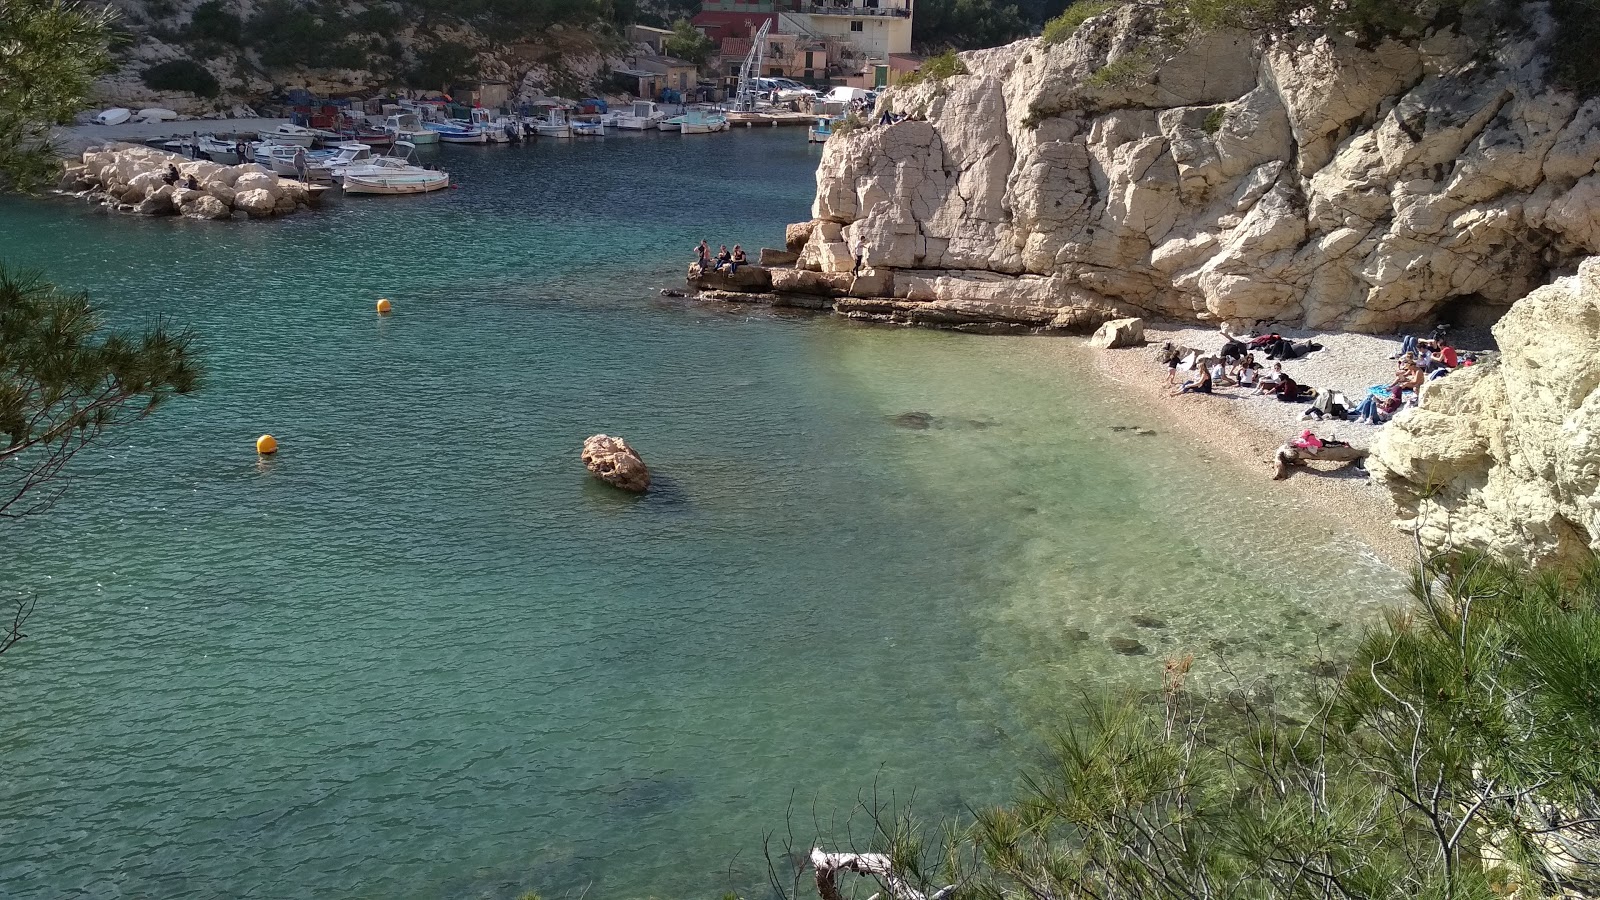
(936, 68)
(1065, 25)
(181, 75)
(1213, 122)
(210, 22)
(1123, 71)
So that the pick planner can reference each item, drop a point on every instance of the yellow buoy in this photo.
(384, 307)
(266, 444)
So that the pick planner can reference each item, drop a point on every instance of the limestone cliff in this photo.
(1505, 457)
(1326, 184)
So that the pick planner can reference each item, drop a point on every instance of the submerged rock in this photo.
(611, 460)
(1144, 621)
(1127, 646)
(916, 420)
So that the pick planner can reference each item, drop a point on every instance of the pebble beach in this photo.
(1249, 428)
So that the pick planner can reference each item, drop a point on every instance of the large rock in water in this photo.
(1331, 181)
(1118, 333)
(1504, 456)
(747, 279)
(611, 460)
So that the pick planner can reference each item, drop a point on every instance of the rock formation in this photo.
(1118, 333)
(128, 177)
(1504, 456)
(611, 460)
(1328, 184)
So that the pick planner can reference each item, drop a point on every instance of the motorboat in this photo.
(553, 124)
(387, 175)
(408, 127)
(699, 121)
(457, 132)
(334, 168)
(385, 178)
(219, 151)
(286, 133)
(673, 124)
(821, 130)
(643, 116)
(582, 128)
(116, 115)
(484, 122)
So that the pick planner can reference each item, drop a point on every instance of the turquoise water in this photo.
(418, 654)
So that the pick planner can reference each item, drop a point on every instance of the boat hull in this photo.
(299, 140)
(668, 126)
(380, 185)
(113, 116)
(817, 137)
(553, 131)
(419, 137)
(479, 138)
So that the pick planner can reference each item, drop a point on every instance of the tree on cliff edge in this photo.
(65, 383)
(50, 53)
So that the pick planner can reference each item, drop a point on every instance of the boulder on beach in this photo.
(611, 460)
(207, 207)
(257, 181)
(1118, 333)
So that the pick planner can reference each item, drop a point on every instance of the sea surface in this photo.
(419, 654)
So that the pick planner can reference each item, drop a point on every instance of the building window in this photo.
(809, 63)
(855, 25)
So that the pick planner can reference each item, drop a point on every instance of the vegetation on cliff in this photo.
(1454, 759)
(50, 54)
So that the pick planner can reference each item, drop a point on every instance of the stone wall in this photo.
(1325, 184)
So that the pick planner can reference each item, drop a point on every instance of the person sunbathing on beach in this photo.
(1201, 385)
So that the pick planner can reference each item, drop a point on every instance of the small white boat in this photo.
(588, 129)
(673, 124)
(157, 114)
(819, 132)
(389, 176)
(219, 151)
(482, 121)
(457, 132)
(408, 127)
(644, 116)
(392, 175)
(349, 155)
(116, 115)
(701, 122)
(554, 124)
(286, 133)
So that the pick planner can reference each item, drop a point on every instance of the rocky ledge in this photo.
(1332, 183)
(893, 296)
(129, 178)
(1505, 456)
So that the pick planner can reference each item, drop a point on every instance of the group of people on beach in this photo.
(731, 261)
(173, 178)
(1235, 365)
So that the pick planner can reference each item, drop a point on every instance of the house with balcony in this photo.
(874, 28)
(798, 56)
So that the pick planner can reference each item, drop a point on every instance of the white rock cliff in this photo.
(1505, 457)
(1326, 184)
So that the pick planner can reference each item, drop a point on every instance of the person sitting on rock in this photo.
(172, 175)
(192, 183)
(738, 259)
(723, 257)
(1201, 385)
(1447, 356)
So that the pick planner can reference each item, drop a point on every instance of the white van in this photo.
(848, 95)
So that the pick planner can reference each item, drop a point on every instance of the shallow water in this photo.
(419, 654)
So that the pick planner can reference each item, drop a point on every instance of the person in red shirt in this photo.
(1447, 355)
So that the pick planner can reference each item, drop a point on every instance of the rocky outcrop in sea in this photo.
(1327, 184)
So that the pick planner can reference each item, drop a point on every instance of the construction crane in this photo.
(751, 70)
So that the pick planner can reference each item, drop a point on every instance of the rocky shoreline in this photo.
(130, 178)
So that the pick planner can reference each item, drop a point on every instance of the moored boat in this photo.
(408, 127)
(588, 129)
(390, 175)
(642, 116)
(219, 151)
(484, 122)
(698, 121)
(553, 123)
(286, 133)
(457, 133)
(821, 130)
(673, 124)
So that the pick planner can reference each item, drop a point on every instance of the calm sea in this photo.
(419, 654)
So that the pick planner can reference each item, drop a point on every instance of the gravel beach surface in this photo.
(1251, 427)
